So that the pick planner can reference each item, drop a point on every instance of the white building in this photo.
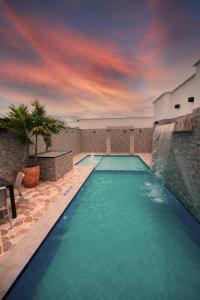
(137, 122)
(182, 100)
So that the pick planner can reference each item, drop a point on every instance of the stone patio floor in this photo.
(37, 202)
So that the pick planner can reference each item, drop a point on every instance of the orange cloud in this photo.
(92, 75)
(78, 75)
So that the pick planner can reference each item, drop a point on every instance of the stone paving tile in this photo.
(146, 157)
(79, 156)
(37, 202)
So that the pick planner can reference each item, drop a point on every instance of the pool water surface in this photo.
(124, 236)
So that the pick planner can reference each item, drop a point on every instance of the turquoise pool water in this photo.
(108, 163)
(124, 236)
(87, 160)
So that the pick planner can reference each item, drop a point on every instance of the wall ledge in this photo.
(184, 123)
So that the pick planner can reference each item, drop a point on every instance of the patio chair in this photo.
(18, 186)
(4, 205)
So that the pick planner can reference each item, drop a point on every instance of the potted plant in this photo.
(28, 125)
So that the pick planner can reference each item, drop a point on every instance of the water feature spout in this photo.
(161, 147)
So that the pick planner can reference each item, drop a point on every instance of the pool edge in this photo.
(13, 263)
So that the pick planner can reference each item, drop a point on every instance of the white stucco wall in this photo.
(161, 106)
(164, 105)
(139, 122)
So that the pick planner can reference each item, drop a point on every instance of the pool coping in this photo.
(13, 263)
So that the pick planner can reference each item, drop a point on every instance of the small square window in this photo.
(191, 99)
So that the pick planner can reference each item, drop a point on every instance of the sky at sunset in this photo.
(91, 59)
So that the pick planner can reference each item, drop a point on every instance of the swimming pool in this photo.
(124, 236)
(115, 163)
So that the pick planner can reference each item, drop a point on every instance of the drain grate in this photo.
(67, 191)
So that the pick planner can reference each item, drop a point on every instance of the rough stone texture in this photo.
(37, 201)
(143, 140)
(66, 140)
(183, 123)
(12, 155)
(182, 173)
(120, 140)
(94, 140)
(63, 164)
(52, 168)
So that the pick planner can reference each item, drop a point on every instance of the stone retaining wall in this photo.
(120, 140)
(66, 140)
(94, 140)
(182, 173)
(143, 140)
(13, 153)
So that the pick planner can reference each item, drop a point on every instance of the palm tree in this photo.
(19, 120)
(27, 124)
(44, 125)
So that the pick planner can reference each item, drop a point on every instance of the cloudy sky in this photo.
(95, 58)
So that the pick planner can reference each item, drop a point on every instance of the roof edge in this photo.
(161, 96)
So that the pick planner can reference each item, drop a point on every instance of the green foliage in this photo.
(28, 123)
(44, 125)
(18, 119)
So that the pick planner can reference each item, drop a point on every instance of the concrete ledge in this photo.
(51, 154)
(184, 123)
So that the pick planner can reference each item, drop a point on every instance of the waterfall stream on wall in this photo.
(161, 147)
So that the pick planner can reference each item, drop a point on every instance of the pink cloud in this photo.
(78, 75)
(73, 65)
